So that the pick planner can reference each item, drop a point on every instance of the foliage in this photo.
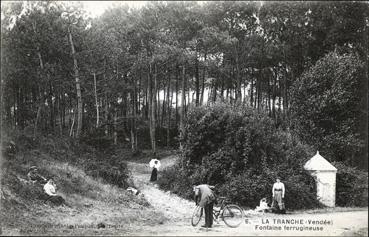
(126, 56)
(241, 152)
(111, 170)
(327, 107)
(351, 186)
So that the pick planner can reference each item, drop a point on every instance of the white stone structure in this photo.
(324, 174)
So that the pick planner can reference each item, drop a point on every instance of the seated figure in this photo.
(34, 176)
(263, 206)
(50, 190)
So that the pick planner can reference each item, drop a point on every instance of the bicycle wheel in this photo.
(196, 216)
(232, 215)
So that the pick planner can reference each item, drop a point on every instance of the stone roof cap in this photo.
(319, 163)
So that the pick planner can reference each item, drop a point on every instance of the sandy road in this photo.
(179, 212)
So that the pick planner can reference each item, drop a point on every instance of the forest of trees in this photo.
(134, 73)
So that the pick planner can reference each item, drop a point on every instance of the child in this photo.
(263, 206)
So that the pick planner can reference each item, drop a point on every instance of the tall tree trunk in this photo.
(96, 102)
(133, 125)
(238, 80)
(285, 93)
(149, 105)
(147, 97)
(183, 99)
(214, 91)
(269, 97)
(163, 104)
(41, 100)
(78, 85)
(260, 95)
(203, 81)
(115, 133)
(106, 112)
(51, 105)
(153, 146)
(168, 109)
(60, 109)
(274, 94)
(71, 131)
(3, 109)
(177, 96)
(138, 95)
(197, 82)
(252, 91)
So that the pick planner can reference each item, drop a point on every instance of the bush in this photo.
(241, 152)
(328, 109)
(351, 186)
(111, 172)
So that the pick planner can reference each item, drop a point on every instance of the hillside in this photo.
(92, 202)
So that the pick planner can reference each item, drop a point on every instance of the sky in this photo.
(96, 8)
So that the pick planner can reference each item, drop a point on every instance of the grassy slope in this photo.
(91, 200)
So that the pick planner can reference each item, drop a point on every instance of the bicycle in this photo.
(231, 214)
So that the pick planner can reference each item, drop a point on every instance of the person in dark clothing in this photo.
(205, 198)
(155, 164)
(34, 176)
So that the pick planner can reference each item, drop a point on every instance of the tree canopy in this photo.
(131, 74)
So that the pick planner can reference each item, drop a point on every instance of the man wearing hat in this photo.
(34, 176)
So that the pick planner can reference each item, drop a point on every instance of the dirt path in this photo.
(179, 213)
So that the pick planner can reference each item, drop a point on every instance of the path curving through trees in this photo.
(179, 210)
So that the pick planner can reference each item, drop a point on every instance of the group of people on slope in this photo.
(49, 186)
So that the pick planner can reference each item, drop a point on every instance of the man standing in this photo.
(278, 195)
(204, 197)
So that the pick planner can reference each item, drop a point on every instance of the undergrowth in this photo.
(92, 182)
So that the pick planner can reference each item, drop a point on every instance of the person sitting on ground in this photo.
(50, 190)
(263, 206)
(34, 176)
(205, 198)
(134, 191)
(155, 164)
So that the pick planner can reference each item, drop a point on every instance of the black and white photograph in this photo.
(184, 118)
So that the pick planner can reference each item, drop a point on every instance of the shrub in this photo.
(328, 109)
(351, 186)
(241, 152)
(113, 172)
